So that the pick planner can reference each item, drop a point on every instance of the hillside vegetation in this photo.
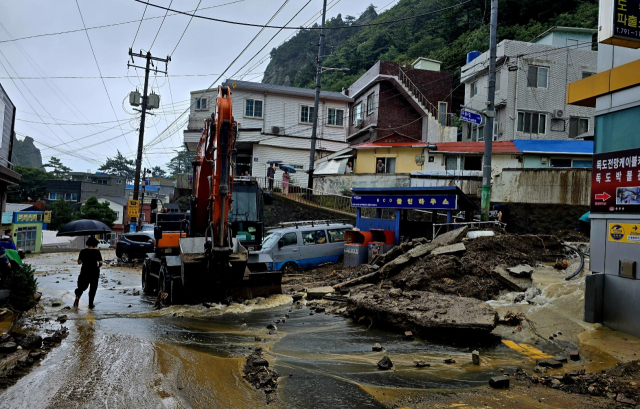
(445, 36)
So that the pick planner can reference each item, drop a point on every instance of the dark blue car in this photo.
(132, 246)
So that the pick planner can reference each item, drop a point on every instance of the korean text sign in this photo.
(441, 202)
(615, 182)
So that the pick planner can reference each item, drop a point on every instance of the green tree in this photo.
(62, 212)
(94, 210)
(32, 187)
(120, 166)
(60, 171)
(158, 172)
(181, 163)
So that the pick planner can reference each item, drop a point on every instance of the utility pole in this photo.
(141, 208)
(490, 113)
(145, 104)
(314, 130)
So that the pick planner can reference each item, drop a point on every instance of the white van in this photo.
(304, 245)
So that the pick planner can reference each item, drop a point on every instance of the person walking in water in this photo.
(285, 182)
(91, 261)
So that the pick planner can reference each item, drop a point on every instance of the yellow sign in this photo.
(133, 208)
(624, 233)
(47, 216)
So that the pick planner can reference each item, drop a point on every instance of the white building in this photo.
(531, 87)
(274, 122)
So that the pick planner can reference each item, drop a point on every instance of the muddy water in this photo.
(124, 353)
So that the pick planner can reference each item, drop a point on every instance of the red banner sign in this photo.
(615, 182)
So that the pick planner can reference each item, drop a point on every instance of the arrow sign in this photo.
(603, 196)
(472, 117)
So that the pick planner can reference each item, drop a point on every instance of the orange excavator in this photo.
(205, 262)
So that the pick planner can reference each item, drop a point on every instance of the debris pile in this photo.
(257, 372)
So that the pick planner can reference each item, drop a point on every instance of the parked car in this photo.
(132, 246)
(103, 244)
(304, 246)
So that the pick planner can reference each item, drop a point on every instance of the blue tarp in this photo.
(553, 146)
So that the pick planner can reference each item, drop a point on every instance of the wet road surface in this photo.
(125, 354)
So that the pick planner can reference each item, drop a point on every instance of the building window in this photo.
(473, 89)
(335, 117)
(102, 181)
(26, 238)
(537, 77)
(532, 122)
(53, 196)
(385, 165)
(442, 113)
(201, 104)
(71, 196)
(116, 214)
(472, 163)
(578, 126)
(498, 77)
(356, 113)
(560, 163)
(118, 181)
(370, 100)
(586, 74)
(306, 114)
(253, 108)
(451, 162)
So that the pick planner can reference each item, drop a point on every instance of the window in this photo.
(560, 163)
(578, 126)
(451, 162)
(498, 77)
(537, 77)
(26, 238)
(582, 163)
(245, 204)
(253, 108)
(102, 181)
(290, 239)
(314, 237)
(586, 74)
(306, 114)
(385, 165)
(71, 196)
(335, 117)
(118, 181)
(370, 100)
(442, 113)
(201, 103)
(532, 122)
(53, 196)
(473, 89)
(116, 214)
(472, 163)
(356, 113)
(337, 235)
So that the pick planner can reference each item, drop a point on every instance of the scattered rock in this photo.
(31, 341)
(450, 249)
(561, 358)
(319, 292)
(62, 319)
(56, 303)
(475, 357)
(8, 347)
(421, 364)
(272, 327)
(549, 363)
(376, 347)
(395, 293)
(499, 382)
(449, 361)
(515, 283)
(623, 399)
(574, 355)
(539, 369)
(257, 372)
(408, 335)
(35, 354)
(385, 363)
(555, 383)
(521, 271)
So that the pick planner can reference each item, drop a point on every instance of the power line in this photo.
(109, 25)
(106, 77)
(185, 29)
(140, 25)
(308, 28)
(159, 28)
(100, 71)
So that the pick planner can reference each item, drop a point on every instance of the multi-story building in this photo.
(413, 102)
(7, 123)
(274, 123)
(83, 185)
(531, 82)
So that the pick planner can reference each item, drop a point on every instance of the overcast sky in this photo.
(206, 49)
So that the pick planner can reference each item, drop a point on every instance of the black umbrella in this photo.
(83, 227)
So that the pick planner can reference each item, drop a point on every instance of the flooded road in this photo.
(125, 354)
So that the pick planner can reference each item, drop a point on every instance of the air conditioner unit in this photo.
(276, 130)
(134, 98)
(359, 123)
(558, 113)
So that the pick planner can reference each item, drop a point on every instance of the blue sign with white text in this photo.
(472, 117)
(438, 202)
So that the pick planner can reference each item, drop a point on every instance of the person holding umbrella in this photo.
(285, 182)
(91, 261)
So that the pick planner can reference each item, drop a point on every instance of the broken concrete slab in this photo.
(319, 292)
(421, 250)
(549, 363)
(425, 313)
(395, 265)
(515, 283)
(450, 249)
(454, 236)
(499, 382)
(521, 271)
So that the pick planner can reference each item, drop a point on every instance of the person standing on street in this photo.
(91, 261)
(285, 182)
(271, 174)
